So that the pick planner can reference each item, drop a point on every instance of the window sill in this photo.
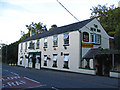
(55, 46)
(66, 67)
(30, 48)
(44, 47)
(54, 66)
(37, 48)
(66, 45)
(96, 43)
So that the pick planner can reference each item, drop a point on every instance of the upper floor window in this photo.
(45, 42)
(92, 37)
(37, 44)
(85, 37)
(26, 46)
(31, 45)
(95, 38)
(98, 39)
(66, 39)
(55, 41)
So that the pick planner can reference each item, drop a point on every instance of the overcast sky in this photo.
(15, 14)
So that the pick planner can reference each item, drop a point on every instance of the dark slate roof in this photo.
(91, 53)
(59, 30)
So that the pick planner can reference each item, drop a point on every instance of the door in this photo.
(34, 60)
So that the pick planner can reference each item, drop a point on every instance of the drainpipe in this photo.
(80, 49)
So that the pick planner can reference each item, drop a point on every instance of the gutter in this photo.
(111, 37)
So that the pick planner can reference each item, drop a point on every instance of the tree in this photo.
(117, 37)
(10, 52)
(53, 27)
(109, 17)
(37, 27)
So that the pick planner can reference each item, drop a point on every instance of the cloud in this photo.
(15, 14)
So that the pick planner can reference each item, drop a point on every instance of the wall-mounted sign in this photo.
(85, 36)
(87, 45)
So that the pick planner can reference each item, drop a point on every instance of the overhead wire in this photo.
(75, 17)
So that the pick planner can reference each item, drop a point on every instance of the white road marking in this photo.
(32, 80)
(35, 82)
(14, 73)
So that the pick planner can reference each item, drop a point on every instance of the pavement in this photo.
(55, 79)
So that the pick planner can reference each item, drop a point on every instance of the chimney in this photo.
(32, 32)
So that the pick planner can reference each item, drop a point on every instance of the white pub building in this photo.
(64, 48)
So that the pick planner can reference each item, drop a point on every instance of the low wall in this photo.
(115, 74)
(79, 70)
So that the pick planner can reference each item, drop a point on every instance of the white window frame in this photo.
(38, 44)
(66, 36)
(45, 42)
(45, 57)
(96, 38)
(55, 40)
(54, 57)
(66, 57)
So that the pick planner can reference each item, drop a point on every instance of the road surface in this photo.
(53, 79)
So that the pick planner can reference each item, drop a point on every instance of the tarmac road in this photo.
(58, 80)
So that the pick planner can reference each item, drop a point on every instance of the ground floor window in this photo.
(21, 59)
(66, 59)
(54, 60)
(45, 60)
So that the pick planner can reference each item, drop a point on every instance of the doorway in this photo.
(104, 64)
(35, 56)
(34, 60)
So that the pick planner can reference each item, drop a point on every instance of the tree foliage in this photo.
(10, 53)
(37, 27)
(53, 27)
(117, 37)
(109, 17)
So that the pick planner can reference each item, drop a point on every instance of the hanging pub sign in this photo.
(85, 37)
(87, 45)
